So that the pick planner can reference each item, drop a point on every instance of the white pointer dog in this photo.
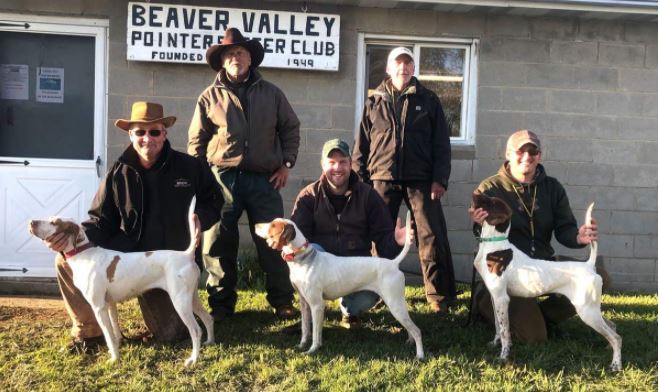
(318, 276)
(106, 277)
(507, 270)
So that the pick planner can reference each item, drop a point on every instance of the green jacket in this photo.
(258, 140)
(552, 212)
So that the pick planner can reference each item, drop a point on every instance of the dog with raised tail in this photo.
(106, 277)
(507, 271)
(318, 276)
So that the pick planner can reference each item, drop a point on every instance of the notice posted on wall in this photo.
(50, 85)
(14, 81)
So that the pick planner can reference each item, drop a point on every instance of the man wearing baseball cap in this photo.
(141, 205)
(246, 130)
(540, 208)
(403, 149)
(344, 216)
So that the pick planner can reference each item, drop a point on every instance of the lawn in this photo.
(253, 354)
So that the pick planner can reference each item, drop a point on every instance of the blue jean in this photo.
(355, 303)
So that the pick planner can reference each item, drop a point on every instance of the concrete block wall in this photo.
(588, 87)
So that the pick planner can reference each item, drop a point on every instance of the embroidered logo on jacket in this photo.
(182, 183)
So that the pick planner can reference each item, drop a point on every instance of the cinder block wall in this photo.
(588, 87)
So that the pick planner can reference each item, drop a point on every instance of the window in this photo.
(446, 67)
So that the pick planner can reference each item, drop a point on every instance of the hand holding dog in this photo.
(478, 215)
(587, 233)
(57, 242)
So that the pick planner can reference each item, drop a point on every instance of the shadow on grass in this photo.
(581, 351)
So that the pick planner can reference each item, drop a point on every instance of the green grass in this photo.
(252, 354)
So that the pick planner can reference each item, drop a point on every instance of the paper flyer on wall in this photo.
(50, 85)
(14, 81)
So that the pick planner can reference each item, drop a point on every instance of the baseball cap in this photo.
(520, 138)
(393, 55)
(335, 144)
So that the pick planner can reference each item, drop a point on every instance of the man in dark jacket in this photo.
(141, 205)
(540, 208)
(244, 127)
(403, 149)
(344, 216)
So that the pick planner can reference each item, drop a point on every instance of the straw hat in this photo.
(145, 113)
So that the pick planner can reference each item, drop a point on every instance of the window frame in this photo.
(470, 82)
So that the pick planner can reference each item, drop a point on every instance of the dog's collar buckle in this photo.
(80, 249)
(291, 256)
(493, 239)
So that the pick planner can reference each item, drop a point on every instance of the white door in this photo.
(52, 118)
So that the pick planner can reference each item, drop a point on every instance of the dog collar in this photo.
(80, 249)
(291, 256)
(493, 239)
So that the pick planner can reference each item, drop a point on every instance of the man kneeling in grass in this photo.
(343, 216)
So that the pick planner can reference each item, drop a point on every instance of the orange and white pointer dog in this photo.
(318, 276)
(106, 277)
(507, 271)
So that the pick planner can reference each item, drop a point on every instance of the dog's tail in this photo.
(192, 226)
(593, 244)
(408, 240)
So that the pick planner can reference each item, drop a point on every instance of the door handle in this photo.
(98, 166)
(24, 25)
(24, 163)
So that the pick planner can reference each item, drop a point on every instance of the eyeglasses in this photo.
(531, 151)
(152, 132)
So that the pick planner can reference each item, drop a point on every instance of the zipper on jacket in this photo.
(403, 118)
(338, 221)
(338, 229)
(397, 139)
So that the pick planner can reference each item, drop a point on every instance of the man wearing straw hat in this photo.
(141, 205)
(244, 127)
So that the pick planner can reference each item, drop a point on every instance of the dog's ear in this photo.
(498, 212)
(288, 234)
(498, 261)
(72, 231)
(478, 200)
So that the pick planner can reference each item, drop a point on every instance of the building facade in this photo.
(581, 74)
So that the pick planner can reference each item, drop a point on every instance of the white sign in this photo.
(14, 81)
(50, 85)
(181, 34)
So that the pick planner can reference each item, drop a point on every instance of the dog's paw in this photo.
(190, 362)
(311, 350)
(615, 367)
(209, 341)
(502, 361)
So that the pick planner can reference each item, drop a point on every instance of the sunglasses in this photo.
(532, 152)
(142, 132)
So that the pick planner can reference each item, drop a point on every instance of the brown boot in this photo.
(350, 322)
(286, 312)
(85, 345)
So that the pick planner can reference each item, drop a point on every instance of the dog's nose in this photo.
(31, 226)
